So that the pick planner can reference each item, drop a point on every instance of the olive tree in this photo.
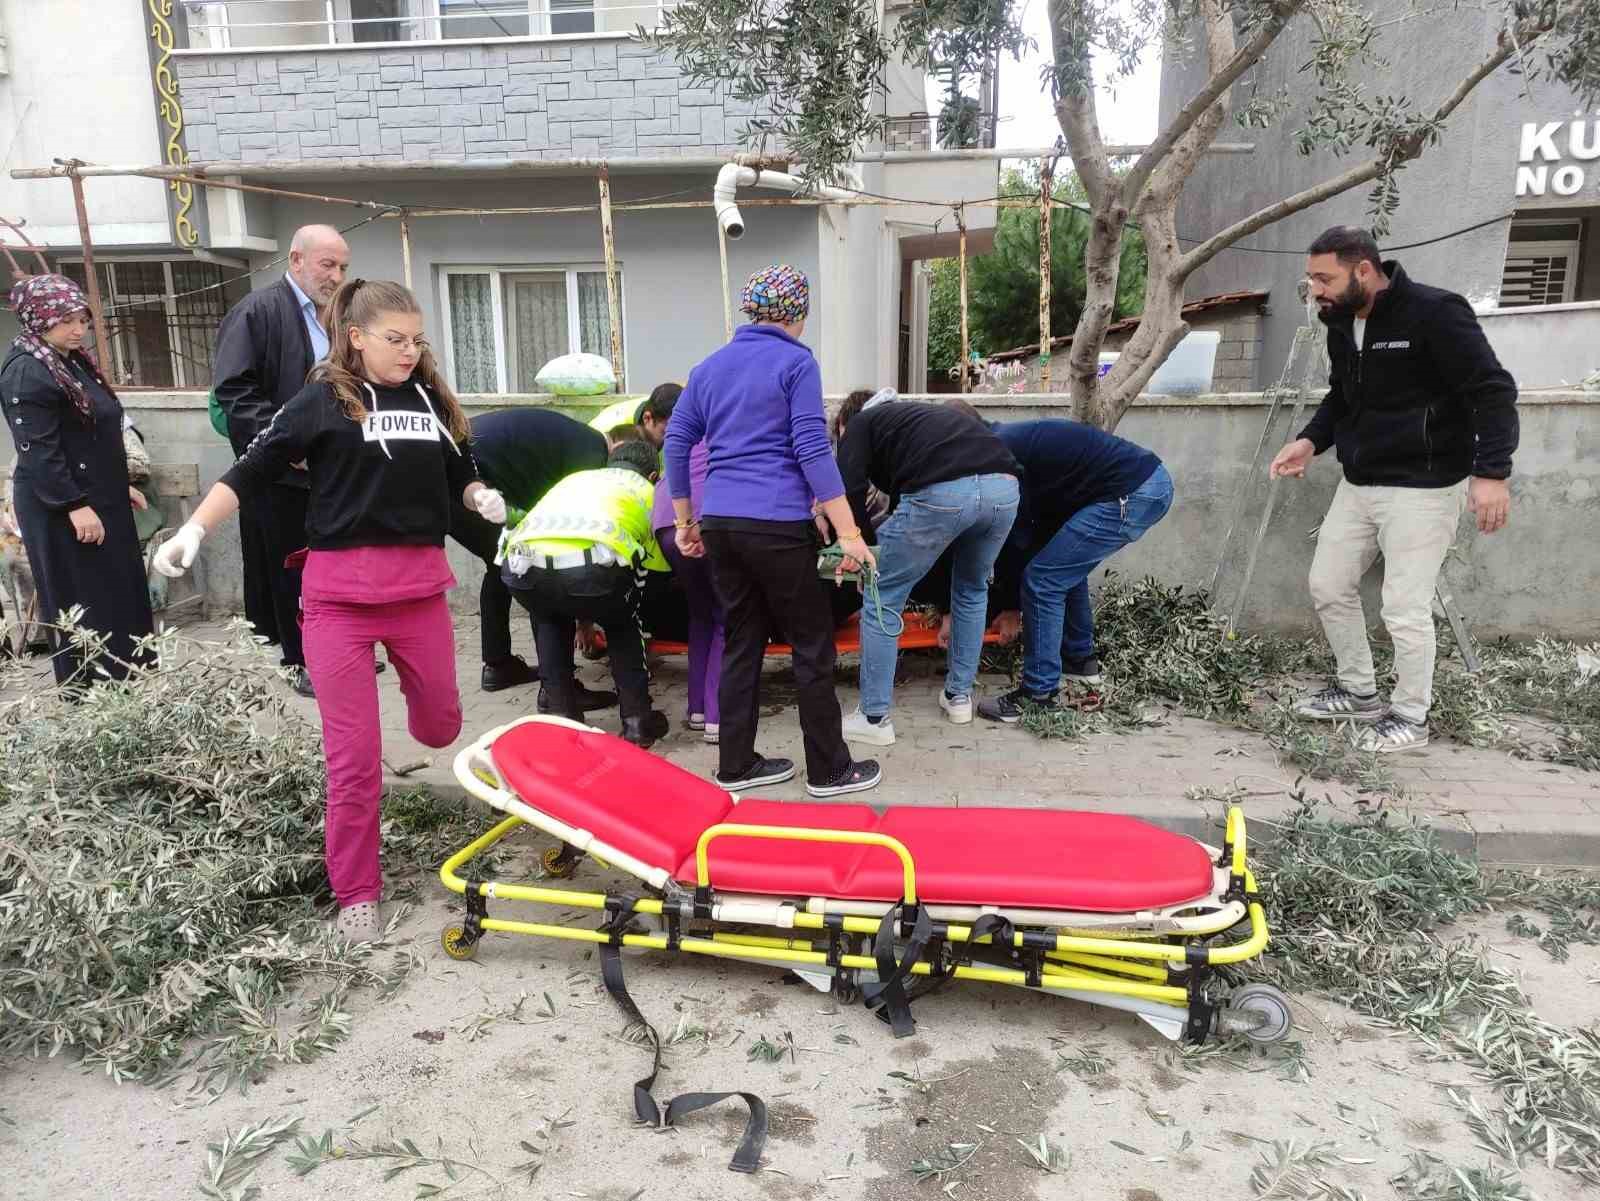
(813, 68)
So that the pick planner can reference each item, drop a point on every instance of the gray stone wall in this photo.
(568, 99)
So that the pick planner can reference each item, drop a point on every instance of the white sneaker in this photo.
(697, 721)
(1393, 733)
(858, 729)
(958, 709)
(713, 733)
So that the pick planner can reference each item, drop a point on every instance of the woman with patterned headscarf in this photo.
(757, 402)
(71, 491)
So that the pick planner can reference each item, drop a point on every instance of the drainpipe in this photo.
(732, 176)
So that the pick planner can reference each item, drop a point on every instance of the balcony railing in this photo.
(259, 24)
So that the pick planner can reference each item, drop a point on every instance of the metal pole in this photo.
(102, 340)
(727, 297)
(405, 246)
(961, 225)
(1046, 194)
(613, 301)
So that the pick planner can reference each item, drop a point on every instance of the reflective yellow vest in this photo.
(607, 506)
(620, 413)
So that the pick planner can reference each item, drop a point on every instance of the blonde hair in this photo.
(360, 303)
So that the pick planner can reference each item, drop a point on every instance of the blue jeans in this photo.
(1056, 616)
(971, 516)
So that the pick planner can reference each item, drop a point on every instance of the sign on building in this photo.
(1554, 156)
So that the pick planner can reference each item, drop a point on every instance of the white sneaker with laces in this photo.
(1393, 733)
(858, 729)
(713, 732)
(957, 708)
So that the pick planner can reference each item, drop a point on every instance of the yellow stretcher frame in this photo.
(1163, 977)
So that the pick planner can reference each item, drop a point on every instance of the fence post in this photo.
(613, 300)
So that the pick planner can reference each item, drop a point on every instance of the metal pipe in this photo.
(553, 166)
(613, 304)
(961, 226)
(102, 339)
(1046, 194)
(727, 296)
(405, 246)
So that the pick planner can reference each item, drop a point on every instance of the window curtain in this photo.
(472, 340)
(536, 325)
(594, 313)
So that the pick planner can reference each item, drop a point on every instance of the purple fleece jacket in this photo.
(757, 402)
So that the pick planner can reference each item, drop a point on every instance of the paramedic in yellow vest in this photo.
(581, 554)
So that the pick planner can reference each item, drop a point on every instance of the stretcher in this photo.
(920, 633)
(883, 908)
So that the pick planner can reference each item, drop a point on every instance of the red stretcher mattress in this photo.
(1023, 858)
(921, 633)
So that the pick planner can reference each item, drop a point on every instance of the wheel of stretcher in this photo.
(454, 941)
(1260, 1012)
(558, 863)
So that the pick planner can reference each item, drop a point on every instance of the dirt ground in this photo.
(852, 1109)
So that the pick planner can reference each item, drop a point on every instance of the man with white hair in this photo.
(266, 345)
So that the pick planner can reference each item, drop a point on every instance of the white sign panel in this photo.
(1553, 156)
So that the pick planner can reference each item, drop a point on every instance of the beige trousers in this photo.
(1413, 529)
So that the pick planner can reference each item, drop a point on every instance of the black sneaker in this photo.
(858, 777)
(1082, 671)
(300, 681)
(588, 699)
(509, 672)
(758, 775)
(1008, 706)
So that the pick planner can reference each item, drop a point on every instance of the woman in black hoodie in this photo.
(384, 441)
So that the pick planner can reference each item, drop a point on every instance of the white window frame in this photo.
(496, 272)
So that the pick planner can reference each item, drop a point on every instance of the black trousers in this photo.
(607, 596)
(766, 575)
(482, 538)
(278, 515)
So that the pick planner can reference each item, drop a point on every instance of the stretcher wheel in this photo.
(560, 861)
(455, 943)
(1260, 1012)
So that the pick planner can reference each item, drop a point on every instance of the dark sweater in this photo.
(526, 452)
(1426, 403)
(387, 481)
(1067, 466)
(905, 446)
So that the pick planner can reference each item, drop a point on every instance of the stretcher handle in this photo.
(805, 834)
(1235, 838)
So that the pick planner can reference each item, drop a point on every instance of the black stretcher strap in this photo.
(645, 1107)
(888, 996)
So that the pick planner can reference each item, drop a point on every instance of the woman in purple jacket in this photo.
(757, 405)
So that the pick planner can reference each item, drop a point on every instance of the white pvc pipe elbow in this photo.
(731, 177)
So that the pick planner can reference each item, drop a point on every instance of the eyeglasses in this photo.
(400, 341)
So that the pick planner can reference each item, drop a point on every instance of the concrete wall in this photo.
(1547, 346)
(1468, 178)
(80, 86)
(1540, 576)
(562, 98)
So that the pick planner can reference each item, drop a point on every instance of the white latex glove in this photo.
(177, 553)
(491, 505)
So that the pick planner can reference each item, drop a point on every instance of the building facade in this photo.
(1509, 200)
(452, 105)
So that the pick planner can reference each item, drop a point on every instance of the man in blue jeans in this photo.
(1085, 495)
(953, 485)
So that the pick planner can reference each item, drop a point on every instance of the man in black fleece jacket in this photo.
(1424, 420)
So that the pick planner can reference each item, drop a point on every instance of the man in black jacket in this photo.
(265, 347)
(1424, 419)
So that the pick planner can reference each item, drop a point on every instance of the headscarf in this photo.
(778, 293)
(882, 396)
(42, 301)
